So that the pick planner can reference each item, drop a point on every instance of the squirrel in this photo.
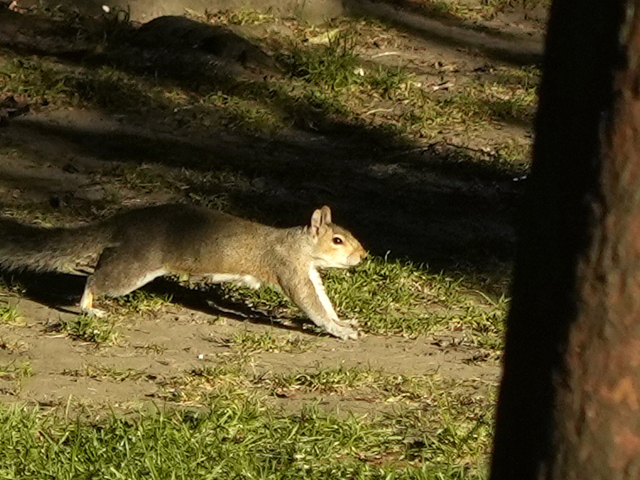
(134, 247)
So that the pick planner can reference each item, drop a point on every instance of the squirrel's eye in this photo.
(337, 240)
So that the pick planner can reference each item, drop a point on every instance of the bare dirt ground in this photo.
(80, 163)
(153, 351)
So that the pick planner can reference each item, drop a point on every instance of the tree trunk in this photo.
(569, 404)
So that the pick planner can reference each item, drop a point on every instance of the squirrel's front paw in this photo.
(342, 331)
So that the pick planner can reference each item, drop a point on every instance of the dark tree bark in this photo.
(569, 405)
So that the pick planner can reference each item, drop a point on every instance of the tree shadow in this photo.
(410, 203)
(449, 30)
(438, 11)
(433, 205)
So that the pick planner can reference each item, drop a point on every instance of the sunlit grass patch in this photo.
(47, 81)
(10, 314)
(88, 328)
(445, 436)
(241, 16)
(331, 380)
(471, 12)
(253, 342)
(101, 372)
(110, 88)
(250, 106)
(495, 101)
(141, 302)
(515, 155)
(240, 437)
(398, 297)
(388, 82)
(326, 81)
(471, 104)
(426, 390)
(197, 385)
(238, 376)
(484, 327)
(16, 371)
(335, 65)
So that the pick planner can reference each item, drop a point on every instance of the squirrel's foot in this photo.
(350, 323)
(342, 330)
(95, 312)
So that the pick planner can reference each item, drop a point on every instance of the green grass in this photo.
(398, 297)
(334, 77)
(44, 81)
(251, 342)
(10, 314)
(331, 380)
(140, 302)
(237, 376)
(334, 65)
(88, 328)
(100, 372)
(404, 298)
(334, 81)
(16, 371)
(242, 16)
(201, 383)
(349, 82)
(31, 77)
(474, 105)
(425, 390)
(237, 438)
(357, 381)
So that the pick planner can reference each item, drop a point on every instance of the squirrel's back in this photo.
(189, 238)
(198, 240)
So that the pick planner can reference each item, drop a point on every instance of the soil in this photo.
(154, 351)
(416, 201)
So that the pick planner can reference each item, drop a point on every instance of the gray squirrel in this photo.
(134, 247)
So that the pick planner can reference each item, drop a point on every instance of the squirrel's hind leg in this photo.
(86, 303)
(116, 275)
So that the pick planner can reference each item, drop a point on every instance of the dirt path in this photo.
(156, 350)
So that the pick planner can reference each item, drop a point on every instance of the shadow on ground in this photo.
(431, 204)
(62, 292)
(425, 21)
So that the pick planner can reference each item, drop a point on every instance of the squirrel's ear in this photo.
(326, 214)
(319, 218)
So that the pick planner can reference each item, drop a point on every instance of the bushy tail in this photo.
(28, 247)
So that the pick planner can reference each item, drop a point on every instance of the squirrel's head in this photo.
(334, 246)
